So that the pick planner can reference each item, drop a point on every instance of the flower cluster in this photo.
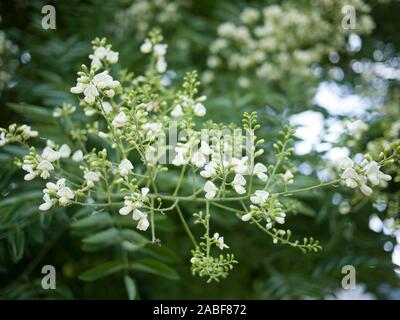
(283, 40)
(133, 203)
(112, 159)
(357, 176)
(102, 55)
(142, 14)
(56, 193)
(41, 165)
(158, 50)
(16, 133)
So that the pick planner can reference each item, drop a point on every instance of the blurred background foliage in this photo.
(85, 250)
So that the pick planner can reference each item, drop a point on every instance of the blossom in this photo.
(104, 80)
(47, 203)
(65, 195)
(209, 170)
(240, 165)
(160, 49)
(220, 241)
(90, 93)
(45, 166)
(198, 159)
(120, 120)
(373, 173)
(210, 189)
(199, 109)
(50, 155)
(147, 46)
(125, 167)
(260, 170)
(91, 177)
(238, 183)
(345, 163)
(152, 128)
(143, 223)
(205, 148)
(3, 139)
(177, 111)
(161, 65)
(288, 177)
(77, 156)
(134, 201)
(260, 197)
(247, 217)
(65, 151)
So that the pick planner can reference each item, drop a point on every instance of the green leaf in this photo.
(130, 287)
(155, 267)
(33, 112)
(94, 220)
(102, 271)
(106, 236)
(21, 197)
(17, 244)
(133, 240)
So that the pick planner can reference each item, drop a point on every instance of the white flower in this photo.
(366, 190)
(65, 195)
(240, 165)
(220, 241)
(373, 173)
(45, 166)
(77, 156)
(79, 88)
(28, 132)
(247, 217)
(125, 167)
(198, 159)
(259, 197)
(103, 80)
(90, 93)
(177, 111)
(161, 65)
(288, 177)
(209, 170)
(112, 57)
(3, 139)
(260, 170)
(160, 49)
(50, 155)
(238, 184)
(351, 178)
(107, 107)
(152, 128)
(129, 206)
(65, 151)
(357, 128)
(100, 52)
(120, 120)
(31, 174)
(146, 46)
(91, 177)
(205, 148)
(180, 158)
(144, 191)
(345, 163)
(47, 203)
(210, 189)
(281, 218)
(143, 223)
(199, 109)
